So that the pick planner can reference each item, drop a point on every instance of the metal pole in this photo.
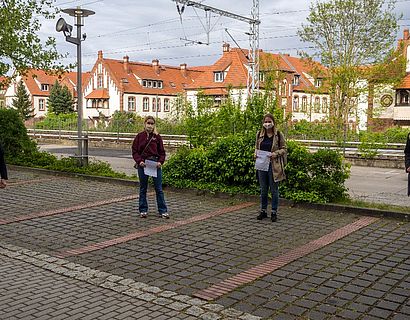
(79, 92)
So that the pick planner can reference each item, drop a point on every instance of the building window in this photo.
(219, 76)
(285, 85)
(144, 83)
(296, 103)
(100, 83)
(131, 103)
(261, 76)
(166, 105)
(44, 87)
(304, 103)
(159, 105)
(1, 104)
(296, 80)
(154, 104)
(145, 104)
(317, 105)
(160, 84)
(154, 84)
(149, 84)
(41, 105)
(318, 82)
(324, 105)
(404, 98)
(99, 68)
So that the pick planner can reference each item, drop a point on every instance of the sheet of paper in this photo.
(150, 168)
(262, 160)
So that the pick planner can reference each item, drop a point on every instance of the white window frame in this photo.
(131, 104)
(145, 104)
(166, 105)
(219, 76)
(41, 105)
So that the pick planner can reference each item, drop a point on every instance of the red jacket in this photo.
(155, 147)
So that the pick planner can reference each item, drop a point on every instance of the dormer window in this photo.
(318, 82)
(144, 83)
(296, 80)
(152, 84)
(160, 84)
(44, 87)
(219, 76)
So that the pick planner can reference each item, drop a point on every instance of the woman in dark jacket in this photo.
(407, 162)
(3, 169)
(148, 145)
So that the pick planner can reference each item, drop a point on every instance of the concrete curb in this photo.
(244, 197)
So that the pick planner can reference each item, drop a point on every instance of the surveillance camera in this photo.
(84, 36)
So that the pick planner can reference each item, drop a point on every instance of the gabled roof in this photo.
(34, 78)
(302, 67)
(234, 63)
(174, 79)
(98, 94)
(405, 83)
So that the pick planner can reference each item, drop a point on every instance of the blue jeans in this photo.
(143, 204)
(265, 182)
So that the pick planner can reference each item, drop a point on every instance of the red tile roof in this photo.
(405, 84)
(98, 94)
(174, 80)
(34, 78)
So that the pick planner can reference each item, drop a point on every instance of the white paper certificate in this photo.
(150, 168)
(262, 160)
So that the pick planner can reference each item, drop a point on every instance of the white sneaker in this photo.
(143, 214)
(165, 215)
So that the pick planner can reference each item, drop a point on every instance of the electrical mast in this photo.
(253, 56)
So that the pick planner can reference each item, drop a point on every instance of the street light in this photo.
(62, 26)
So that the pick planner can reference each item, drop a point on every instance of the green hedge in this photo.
(228, 166)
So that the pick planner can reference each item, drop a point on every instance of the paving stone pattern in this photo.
(368, 272)
(38, 286)
(365, 275)
(51, 194)
(191, 258)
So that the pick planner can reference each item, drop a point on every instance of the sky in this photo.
(153, 29)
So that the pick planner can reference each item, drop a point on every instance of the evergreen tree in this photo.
(60, 100)
(22, 102)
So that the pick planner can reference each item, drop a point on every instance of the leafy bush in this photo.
(61, 121)
(13, 134)
(228, 165)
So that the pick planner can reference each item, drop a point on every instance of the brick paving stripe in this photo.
(148, 232)
(65, 210)
(219, 289)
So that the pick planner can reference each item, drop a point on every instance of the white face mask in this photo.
(268, 125)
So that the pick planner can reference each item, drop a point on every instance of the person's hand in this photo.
(142, 164)
(158, 164)
(408, 170)
(273, 156)
(3, 183)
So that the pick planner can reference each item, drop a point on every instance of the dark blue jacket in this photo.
(3, 168)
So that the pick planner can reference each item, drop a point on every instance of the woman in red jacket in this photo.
(148, 145)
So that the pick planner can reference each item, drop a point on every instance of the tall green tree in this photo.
(60, 100)
(21, 48)
(347, 36)
(22, 102)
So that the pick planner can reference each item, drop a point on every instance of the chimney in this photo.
(225, 47)
(406, 34)
(183, 69)
(155, 65)
(100, 55)
(126, 65)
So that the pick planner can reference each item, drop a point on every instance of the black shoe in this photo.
(274, 217)
(262, 215)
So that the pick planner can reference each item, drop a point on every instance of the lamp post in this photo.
(62, 26)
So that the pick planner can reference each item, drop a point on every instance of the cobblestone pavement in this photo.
(91, 257)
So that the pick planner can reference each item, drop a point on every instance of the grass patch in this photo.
(373, 205)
